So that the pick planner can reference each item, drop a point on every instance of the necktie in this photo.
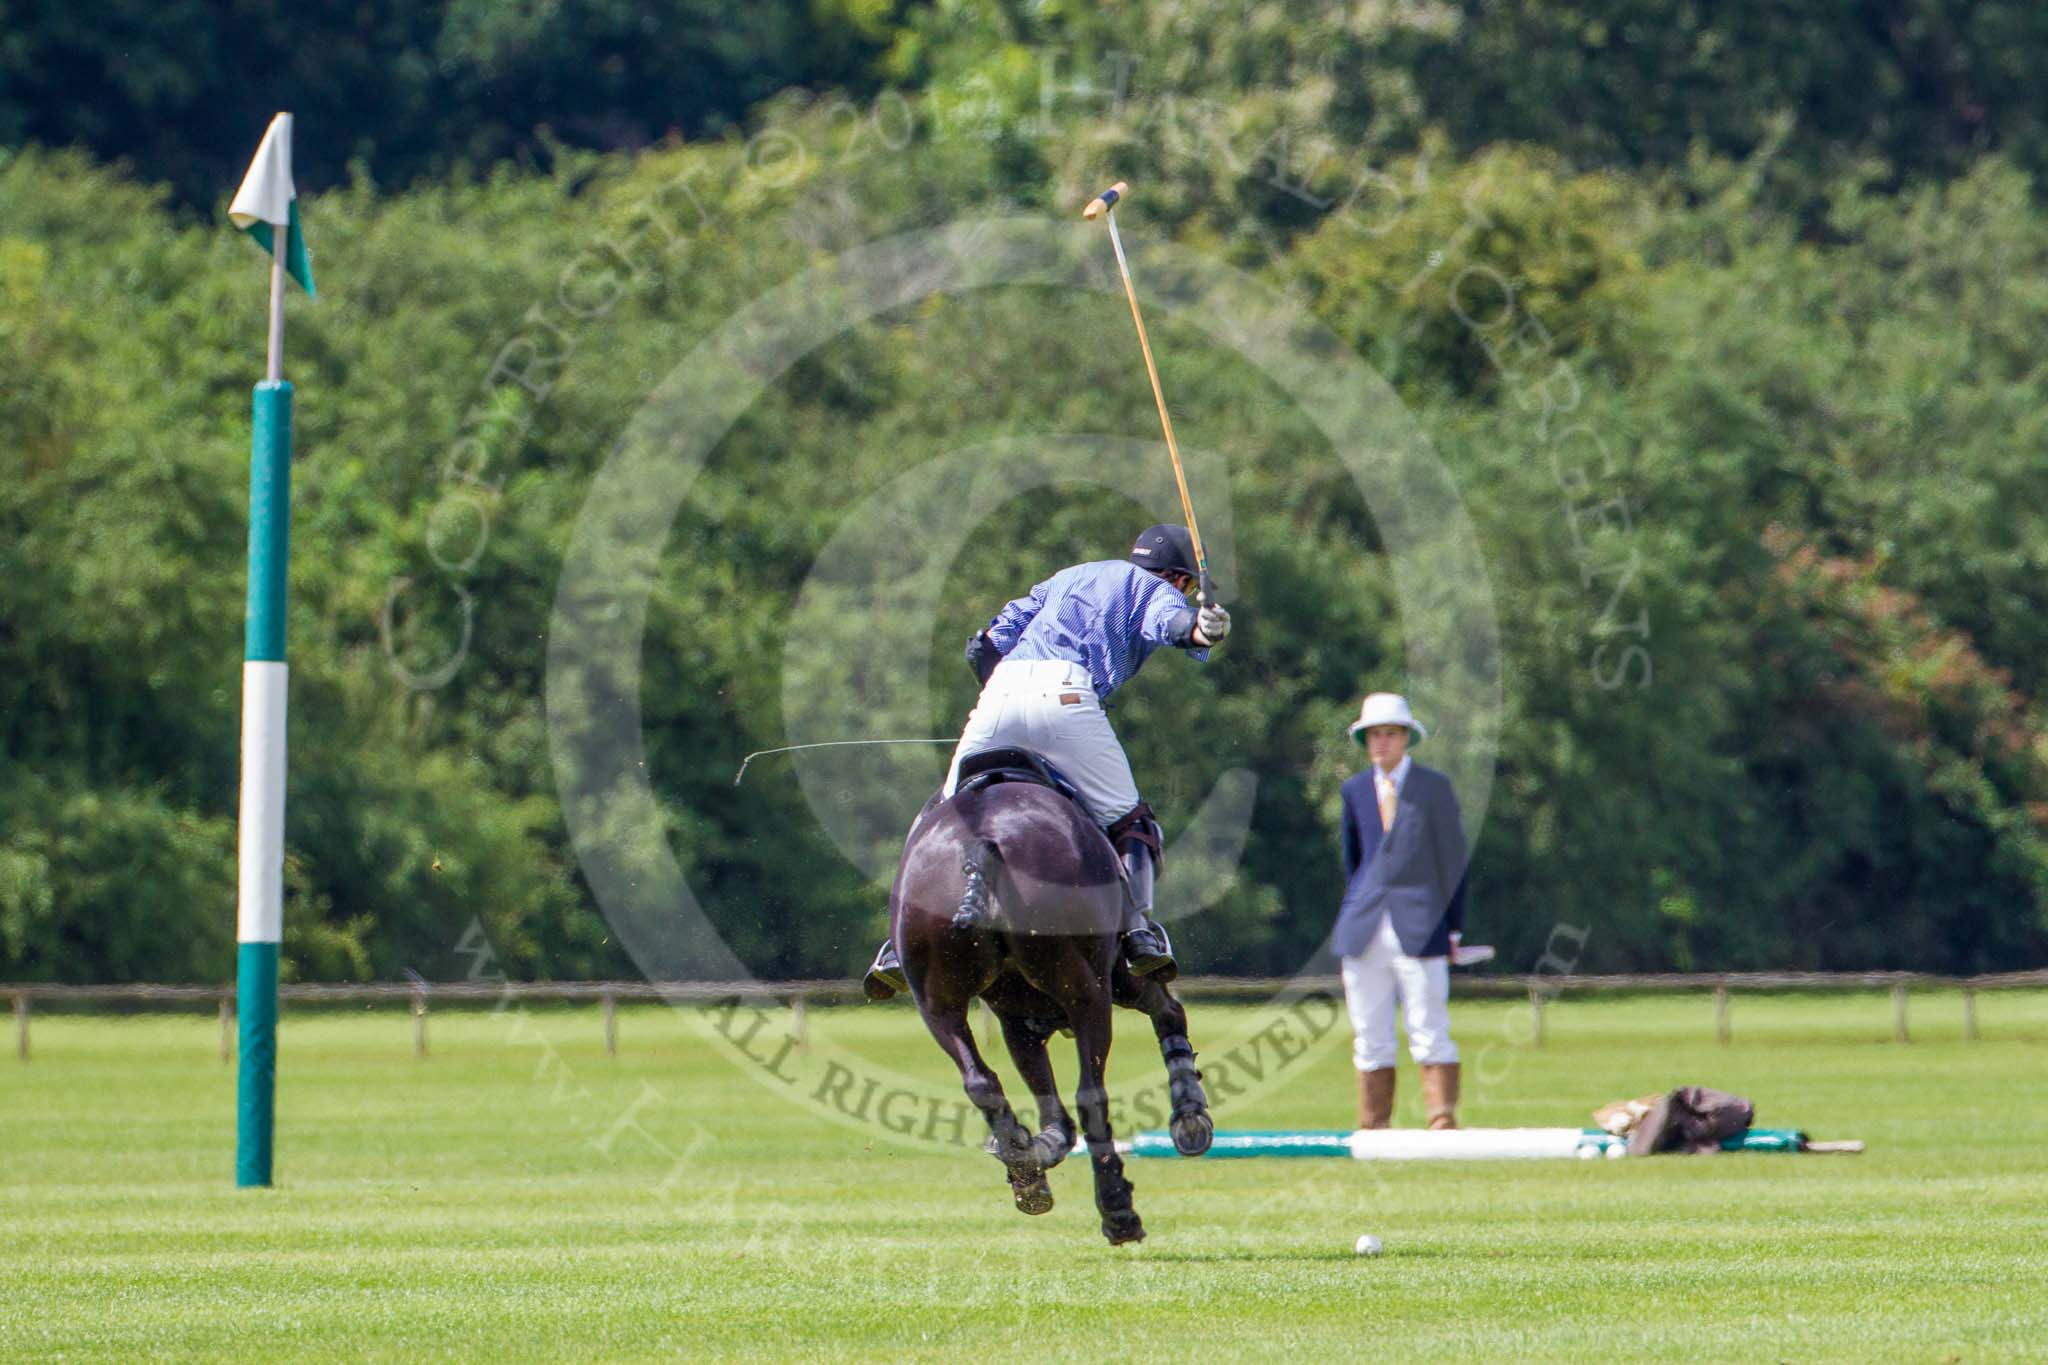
(1388, 796)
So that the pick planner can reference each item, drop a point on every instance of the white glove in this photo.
(1213, 621)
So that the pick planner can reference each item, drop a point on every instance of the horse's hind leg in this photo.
(948, 1024)
(1120, 1223)
(1055, 1139)
(1193, 1130)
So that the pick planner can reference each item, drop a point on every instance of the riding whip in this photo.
(828, 744)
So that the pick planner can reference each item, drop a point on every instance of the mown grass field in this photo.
(484, 1203)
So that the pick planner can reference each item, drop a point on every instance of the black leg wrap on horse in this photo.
(1113, 1190)
(974, 901)
(1192, 1128)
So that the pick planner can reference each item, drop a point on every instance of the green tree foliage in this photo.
(425, 87)
(1901, 87)
(1750, 482)
(183, 89)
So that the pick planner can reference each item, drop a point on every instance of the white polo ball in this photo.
(1368, 1245)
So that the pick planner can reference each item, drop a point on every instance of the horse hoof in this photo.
(1192, 1133)
(1032, 1193)
(1122, 1227)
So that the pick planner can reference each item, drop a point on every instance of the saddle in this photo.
(1010, 764)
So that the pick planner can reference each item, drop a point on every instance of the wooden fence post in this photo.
(1721, 1029)
(1970, 1013)
(21, 1025)
(1536, 1015)
(800, 1023)
(419, 1022)
(1899, 1034)
(227, 1030)
(611, 1025)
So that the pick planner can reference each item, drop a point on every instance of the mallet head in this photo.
(1104, 201)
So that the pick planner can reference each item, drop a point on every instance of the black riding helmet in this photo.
(1166, 549)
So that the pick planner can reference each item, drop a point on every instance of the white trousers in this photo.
(1049, 707)
(1374, 980)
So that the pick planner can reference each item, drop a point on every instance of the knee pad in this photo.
(1138, 826)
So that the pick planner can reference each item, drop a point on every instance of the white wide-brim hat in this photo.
(1386, 708)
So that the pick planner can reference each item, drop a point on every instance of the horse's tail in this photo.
(976, 866)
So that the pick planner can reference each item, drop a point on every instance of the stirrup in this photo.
(1149, 953)
(885, 978)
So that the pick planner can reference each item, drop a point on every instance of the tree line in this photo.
(1745, 431)
(397, 90)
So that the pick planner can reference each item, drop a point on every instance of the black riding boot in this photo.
(1146, 949)
(885, 978)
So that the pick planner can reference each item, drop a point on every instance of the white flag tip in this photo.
(267, 192)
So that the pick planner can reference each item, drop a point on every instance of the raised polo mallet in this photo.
(1103, 206)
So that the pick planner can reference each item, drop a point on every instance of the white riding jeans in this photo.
(1374, 980)
(1049, 707)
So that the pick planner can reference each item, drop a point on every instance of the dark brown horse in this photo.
(1038, 940)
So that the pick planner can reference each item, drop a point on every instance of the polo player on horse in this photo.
(1047, 663)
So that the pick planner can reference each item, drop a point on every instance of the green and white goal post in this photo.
(266, 208)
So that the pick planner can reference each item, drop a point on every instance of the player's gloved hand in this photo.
(1213, 622)
(982, 656)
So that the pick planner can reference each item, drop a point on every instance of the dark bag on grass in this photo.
(1691, 1119)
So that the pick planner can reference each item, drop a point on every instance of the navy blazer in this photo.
(1416, 873)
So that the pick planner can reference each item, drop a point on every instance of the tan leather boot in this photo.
(1440, 1094)
(1376, 1098)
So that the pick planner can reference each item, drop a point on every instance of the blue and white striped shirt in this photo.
(1107, 616)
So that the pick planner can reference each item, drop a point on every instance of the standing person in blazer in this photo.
(1402, 914)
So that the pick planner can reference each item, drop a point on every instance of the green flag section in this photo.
(267, 201)
(297, 263)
